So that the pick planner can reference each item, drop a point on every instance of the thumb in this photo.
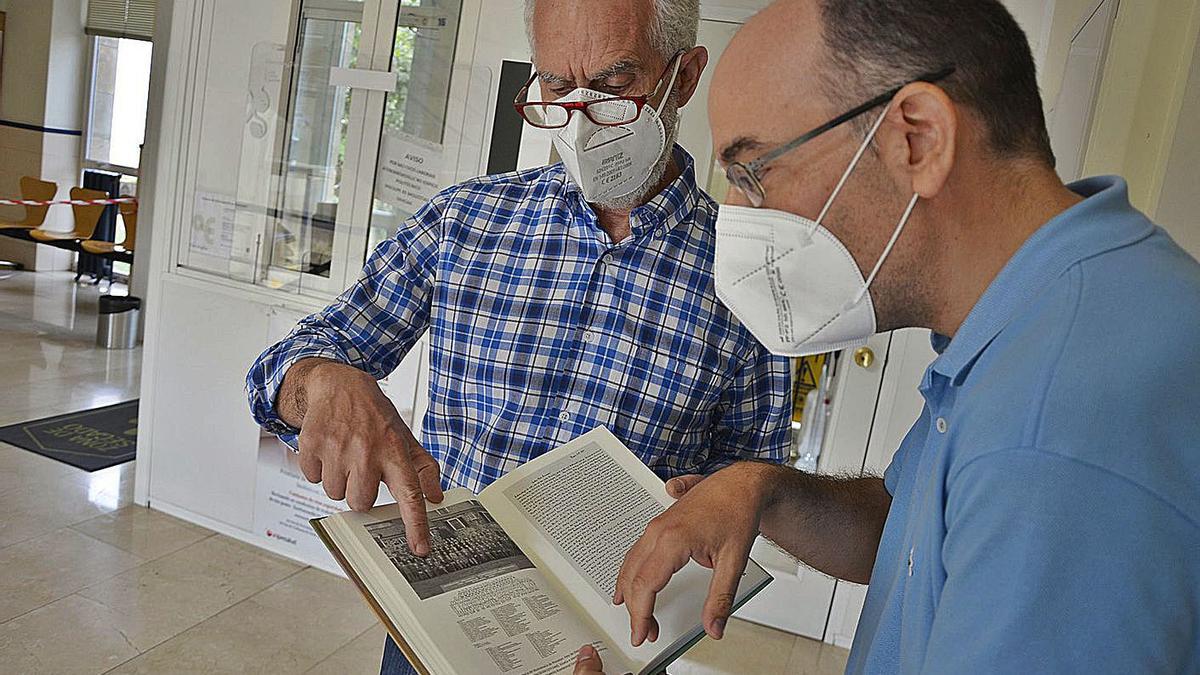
(680, 485)
(588, 662)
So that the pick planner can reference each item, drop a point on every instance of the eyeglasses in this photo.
(745, 176)
(606, 112)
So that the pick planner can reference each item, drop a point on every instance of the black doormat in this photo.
(90, 439)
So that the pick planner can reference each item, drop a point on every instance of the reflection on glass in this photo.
(104, 488)
(422, 56)
(315, 148)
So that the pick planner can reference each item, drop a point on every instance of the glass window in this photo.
(315, 147)
(415, 112)
(283, 163)
(120, 88)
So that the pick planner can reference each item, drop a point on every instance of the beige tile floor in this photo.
(92, 583)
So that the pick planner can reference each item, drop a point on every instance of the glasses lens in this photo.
(742, 178)
(612, 111)
(545, 115)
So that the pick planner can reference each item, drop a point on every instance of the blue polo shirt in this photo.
(1046, 506)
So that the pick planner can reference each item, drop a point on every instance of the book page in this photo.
(578, 510)
(612, 511)
(477, 599)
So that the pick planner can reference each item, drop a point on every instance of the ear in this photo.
(917, 142)
(691, 67)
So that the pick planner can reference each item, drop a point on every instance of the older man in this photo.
(1040, 516)
(555, 300)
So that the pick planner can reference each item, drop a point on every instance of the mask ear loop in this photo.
(853, 163)
(678, 59)
(912, 203)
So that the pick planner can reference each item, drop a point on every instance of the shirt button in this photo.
(564, 416)
(589, 337)
(941, 425)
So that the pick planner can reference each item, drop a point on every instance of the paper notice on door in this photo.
(409, 167)
(213, 217)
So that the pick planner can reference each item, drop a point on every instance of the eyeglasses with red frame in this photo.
(607, 112)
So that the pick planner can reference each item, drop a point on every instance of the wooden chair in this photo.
(37, 190)
(86, 219)
(129, 216)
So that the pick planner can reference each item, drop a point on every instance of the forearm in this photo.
(832, 524)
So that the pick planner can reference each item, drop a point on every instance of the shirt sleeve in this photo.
(756, 413)
(371, 326)
(1057, 566)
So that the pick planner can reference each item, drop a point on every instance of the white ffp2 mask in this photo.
(791, 282)
(610, 162)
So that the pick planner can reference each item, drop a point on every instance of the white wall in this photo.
(1179, 207)
(1141, 92)
(148, 180)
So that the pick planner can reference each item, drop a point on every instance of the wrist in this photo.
(303, 384)
(759, 481)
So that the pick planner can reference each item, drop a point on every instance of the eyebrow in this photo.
(742, 144)
(618, 68)
(552, 79)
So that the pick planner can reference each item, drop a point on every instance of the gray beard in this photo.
(649, 188)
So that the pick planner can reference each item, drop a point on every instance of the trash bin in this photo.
(118, 322)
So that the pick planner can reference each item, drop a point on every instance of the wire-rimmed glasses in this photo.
(744, 176)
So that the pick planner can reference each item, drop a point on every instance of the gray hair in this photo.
(674, 27)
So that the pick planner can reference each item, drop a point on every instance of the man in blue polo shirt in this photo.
(1043, 514)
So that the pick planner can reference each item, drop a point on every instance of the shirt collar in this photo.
(1103, 221)
(674, 205)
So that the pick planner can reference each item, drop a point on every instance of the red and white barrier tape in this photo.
(73, 202)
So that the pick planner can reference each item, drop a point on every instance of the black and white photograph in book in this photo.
(468, 547)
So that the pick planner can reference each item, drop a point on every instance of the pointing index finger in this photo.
(401, 481)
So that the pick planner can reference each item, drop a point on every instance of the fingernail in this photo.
(585, 654)
(719, 627)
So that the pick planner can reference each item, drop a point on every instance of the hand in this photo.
(352, 438)
(678, 486)
(689, 531)
(588, 662)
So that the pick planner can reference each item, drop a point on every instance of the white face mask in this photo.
(791, 282)
(608, 163)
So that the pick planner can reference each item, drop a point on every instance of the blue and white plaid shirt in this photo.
(541, 329)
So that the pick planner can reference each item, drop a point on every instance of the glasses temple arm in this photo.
(523, 93)
(846, 117)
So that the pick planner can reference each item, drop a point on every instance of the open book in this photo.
(523, 574)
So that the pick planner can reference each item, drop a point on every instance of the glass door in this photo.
(406, 126)
(335, 196)
(318, 137)
(296, 127)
